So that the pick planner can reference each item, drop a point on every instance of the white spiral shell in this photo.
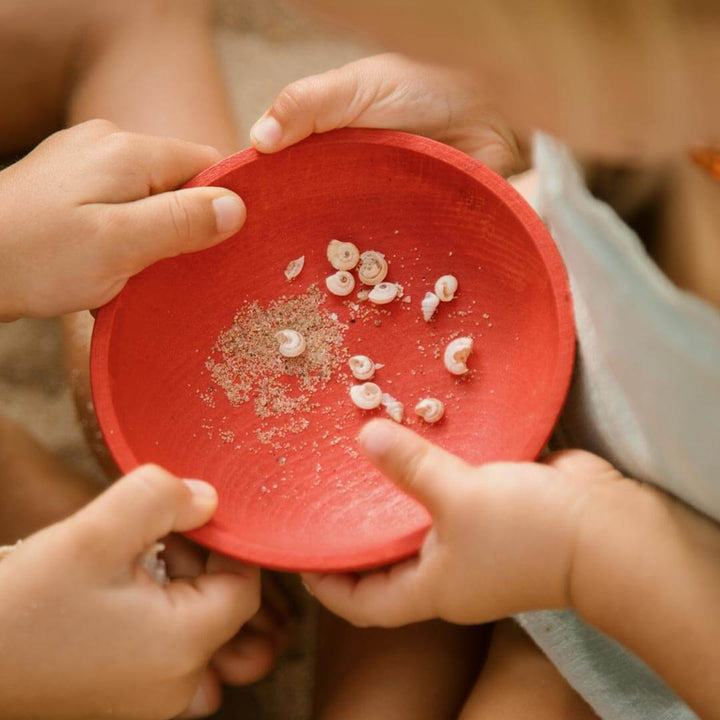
(291, 343)
(446, 287)
(342, 255)
(294, 268)
(373, 267)
(430, 409)
(341, 283)
(456, 355)
(366, 396)
(429, 305)
(362, 367)
(393, 407)
(384, 293)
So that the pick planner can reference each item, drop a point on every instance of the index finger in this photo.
(418, 467)
(164, 163)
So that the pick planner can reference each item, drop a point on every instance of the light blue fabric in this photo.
(646, 396)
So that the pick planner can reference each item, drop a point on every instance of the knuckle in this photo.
(120, 146)
(296, 97)
(155, 482)
(97, 127)
(180, 217)
(416, 465)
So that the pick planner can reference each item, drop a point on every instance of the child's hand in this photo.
(392, 92)
(86, 632)
(91, 206)
(502, 540)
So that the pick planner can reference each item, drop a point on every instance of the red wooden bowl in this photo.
(306, 500)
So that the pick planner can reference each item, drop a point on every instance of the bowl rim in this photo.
(406, 545)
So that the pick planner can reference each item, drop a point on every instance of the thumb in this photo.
(416, 466)
(316, 104)
(171, 223)
(130, 516)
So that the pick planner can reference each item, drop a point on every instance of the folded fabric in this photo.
(645, 396)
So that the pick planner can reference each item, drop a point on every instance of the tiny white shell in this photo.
(366, 396)
(341, 283)
(291, 342)
(456, 354)
(362, 367)
(373, 267)
(342, 255)
(394, 408)
(153, 565)
(384, 293)
(446, 287)
(363, 295)
(430, 409)
(429, 305)
(294, 268)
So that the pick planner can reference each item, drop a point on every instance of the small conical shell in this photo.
(430, 409)
(366, 396)
(456, 355)
(446, 287)
(429, 305)
(362, 367)
(394, 408)
(294, 268)
(342, 255)
(341, 283)
(373, 268)
(291, 343)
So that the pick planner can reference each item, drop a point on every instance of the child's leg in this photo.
(518, 682)
(421, 671)
(28, 472)
(149, 66)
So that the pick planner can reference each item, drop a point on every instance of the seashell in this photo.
(341, 283)
(153, 565)
(430, 409)
(446, 287)
(429, 305)
(456, 353)
(384, 293)
(294, 268)
(373, 267)
(366, 396)
(291, 343)
(407, 299)
(394, 408)
(363, 295)
(362, 367)
(342, 255)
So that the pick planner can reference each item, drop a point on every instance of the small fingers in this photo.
(581, 464)
(246, 658)
(388, 598)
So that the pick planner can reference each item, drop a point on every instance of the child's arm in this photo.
(572, 532)
(392, 92)
(86, 632)
(91, 206)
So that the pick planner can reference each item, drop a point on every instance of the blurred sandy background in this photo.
(263, 44)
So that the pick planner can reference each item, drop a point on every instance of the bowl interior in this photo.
(302, 497)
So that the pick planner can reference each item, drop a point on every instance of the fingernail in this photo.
(229, 213)
(266, 132)
(376, 438)
(201, 488)
(199, 706)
